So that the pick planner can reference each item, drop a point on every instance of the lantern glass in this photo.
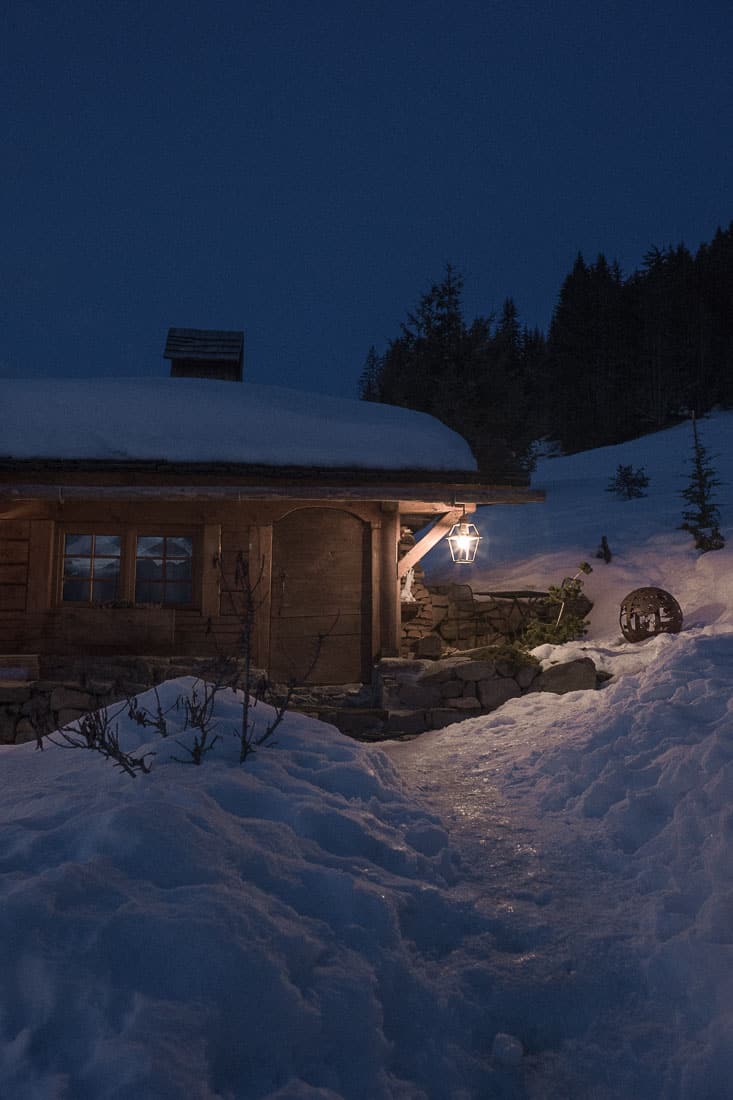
(463, 540)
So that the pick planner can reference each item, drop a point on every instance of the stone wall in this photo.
(418, 695)
(452, 616)
(407, 697)
(68, 687)
(438, 618)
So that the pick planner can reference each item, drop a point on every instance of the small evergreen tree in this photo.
(604, 550)
(628, 483)
(702, 518)
(565, 626)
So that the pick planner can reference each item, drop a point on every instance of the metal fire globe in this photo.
(649, 611)
(463, 539)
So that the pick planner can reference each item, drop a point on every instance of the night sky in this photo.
(304, 171)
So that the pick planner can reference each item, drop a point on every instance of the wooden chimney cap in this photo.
(203, 343)
(205, 353)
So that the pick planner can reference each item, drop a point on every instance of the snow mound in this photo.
(220, 931)
(651, 782)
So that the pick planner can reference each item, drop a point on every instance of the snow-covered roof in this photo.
(199, 420)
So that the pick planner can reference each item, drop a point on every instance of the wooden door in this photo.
(320, 630)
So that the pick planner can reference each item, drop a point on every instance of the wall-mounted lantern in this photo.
(463, 539)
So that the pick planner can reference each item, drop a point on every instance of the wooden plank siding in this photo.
(335, 559)
(103, 630)
(41, 546)
(14, 556)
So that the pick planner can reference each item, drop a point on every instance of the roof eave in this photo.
(160, 470)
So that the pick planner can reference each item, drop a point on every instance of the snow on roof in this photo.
(199, 420)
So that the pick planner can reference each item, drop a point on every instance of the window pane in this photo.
(76, 591)
(179, 547)
(178, 570)
(106, 568)
(148, 592)
(78, 544)
(104, 592)
(164, 569)
(107, 545)
(152, 546)
(177, 593)
(77, 567)
(150, 569)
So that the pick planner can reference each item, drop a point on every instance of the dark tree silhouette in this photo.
(623, 356)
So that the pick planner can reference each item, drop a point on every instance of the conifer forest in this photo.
(623, 356)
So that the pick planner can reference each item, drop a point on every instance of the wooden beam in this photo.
(376, 582)
(439, 530)
(444, 495)
(40, 564)
(390, 602)
(211, 570)
(260, 565)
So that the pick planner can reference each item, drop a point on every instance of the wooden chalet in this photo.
(125, 506)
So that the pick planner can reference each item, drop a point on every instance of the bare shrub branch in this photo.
(99, 732)
(199, 715)
(156, 719)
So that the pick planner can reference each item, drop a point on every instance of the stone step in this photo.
(361, 723)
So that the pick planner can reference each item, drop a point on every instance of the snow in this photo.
(200, 420)
(537, 903)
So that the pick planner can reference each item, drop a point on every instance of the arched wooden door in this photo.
(320, 628)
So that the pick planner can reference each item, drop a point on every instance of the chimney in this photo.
(205, 353)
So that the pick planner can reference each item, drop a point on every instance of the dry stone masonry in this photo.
(408, 696)
(438, 618)
(44, 694)
(418, 695)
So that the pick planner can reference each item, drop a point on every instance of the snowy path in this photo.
(565, 923)
(511, 852)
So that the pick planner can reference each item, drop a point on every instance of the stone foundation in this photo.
(63, 689)
(407, 696)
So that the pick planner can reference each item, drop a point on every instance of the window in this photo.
(163, 573)
(127, 568)
(91, 568)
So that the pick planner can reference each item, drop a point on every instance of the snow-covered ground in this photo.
(537, 903)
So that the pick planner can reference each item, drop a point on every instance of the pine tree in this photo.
(669, 316)
(422, 367)
(370, 377)
(702, 518)
(628, 483)
(589, 357)
(714, 270)
(472, 378)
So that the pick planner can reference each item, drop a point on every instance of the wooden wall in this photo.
(14, 554)
(362, 591)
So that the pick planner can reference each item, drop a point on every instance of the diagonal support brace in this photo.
(439, 530)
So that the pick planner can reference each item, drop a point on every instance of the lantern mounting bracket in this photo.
(432, 536)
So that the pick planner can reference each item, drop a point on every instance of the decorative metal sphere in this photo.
(649, 611)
